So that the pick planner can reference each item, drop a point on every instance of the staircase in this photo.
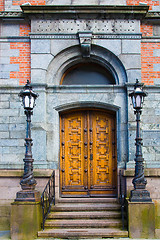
(84, 218)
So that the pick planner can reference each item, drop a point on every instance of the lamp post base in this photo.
(28, 196)
(140, 195)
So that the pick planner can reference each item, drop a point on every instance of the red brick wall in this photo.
(24, 29)
(24, 56)
(23, 60)
(1, 5)
(148, 59)
(147, 62)
(146, 30)
(149, 2)
(33, 2)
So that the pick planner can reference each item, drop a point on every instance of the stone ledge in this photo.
(79, 11)
(149, 172)
(13, 173)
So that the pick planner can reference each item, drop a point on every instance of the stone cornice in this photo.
(90, 11)
(152, 15)
(11, 14)
(72, 12)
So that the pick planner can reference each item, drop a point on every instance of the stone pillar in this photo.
(157, 218)
(141, 219)
(26, 219)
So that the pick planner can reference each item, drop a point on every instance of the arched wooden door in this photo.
(88, 165)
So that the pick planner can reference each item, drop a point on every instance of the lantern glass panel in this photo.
(26, 102)
(133, 101)
(138, 101)
(32, 102)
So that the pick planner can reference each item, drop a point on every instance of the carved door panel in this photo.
(103, 173)
(88, 154)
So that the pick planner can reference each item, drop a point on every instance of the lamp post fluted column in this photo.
(28, 182)
(139, 194)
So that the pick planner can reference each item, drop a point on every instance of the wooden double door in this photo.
(88, 163)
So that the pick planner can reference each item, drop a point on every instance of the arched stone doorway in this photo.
(106, 98)
(88, 152)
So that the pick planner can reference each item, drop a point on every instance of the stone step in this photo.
(85, 215)
(79, 223)
(83, 233)
(87, 200)
(85, 207)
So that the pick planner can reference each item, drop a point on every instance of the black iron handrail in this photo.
(48, 197)
(122, 195)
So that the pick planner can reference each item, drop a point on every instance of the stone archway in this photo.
(72, 55)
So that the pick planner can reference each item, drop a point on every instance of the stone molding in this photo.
(94, 36)
(11, 14)
(140, 11)
(152, 15)
(148, 172)
(15, 39)
(12, 173)
(90, 11)
(87, 104)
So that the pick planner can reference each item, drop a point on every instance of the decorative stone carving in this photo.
(99, 26)
(85, 39)
(94, 36)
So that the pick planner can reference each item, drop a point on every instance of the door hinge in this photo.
(91, 156)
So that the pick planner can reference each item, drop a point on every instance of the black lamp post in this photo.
(28, 182)
(139, 194)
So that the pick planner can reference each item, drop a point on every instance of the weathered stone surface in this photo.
(130, 62)
(8, 28)
(113, 45)
(141, 220)
(57, 45)
(5, 210)
(157, 216)
(40, 61)
(38, 76)
(156, 67)
(26, 220)
(39, 139)
(4, 134)
(133, 74)
(70, 26)
(131, 46)
(40, 46)
(156, 52)
(156, 30)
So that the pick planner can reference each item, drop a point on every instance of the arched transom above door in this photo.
(88, 153)
(87, 73)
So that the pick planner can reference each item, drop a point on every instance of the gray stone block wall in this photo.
(11, 130)
(55, 46)
(150, 129)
